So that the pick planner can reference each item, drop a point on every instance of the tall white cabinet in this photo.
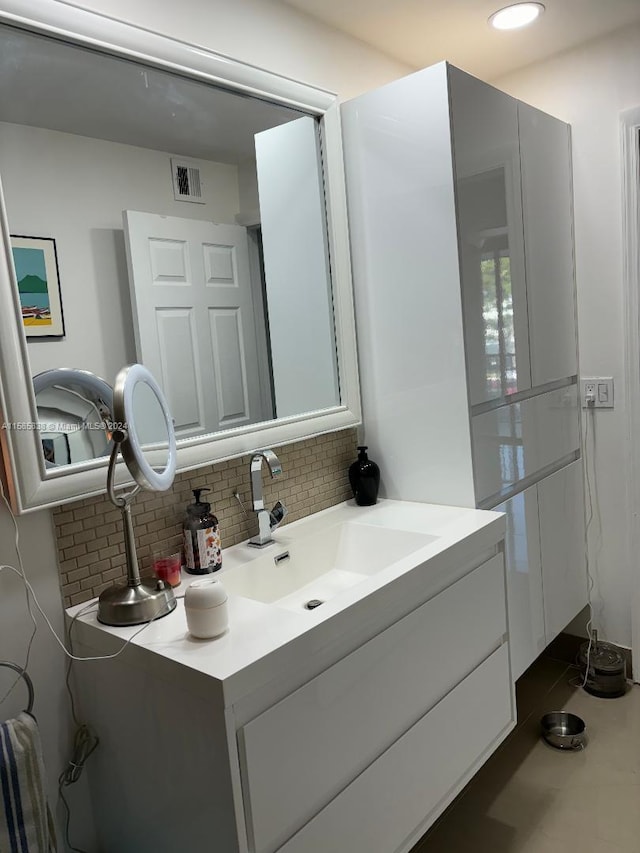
(460, 209)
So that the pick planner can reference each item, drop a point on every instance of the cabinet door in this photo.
(561, 505)
(490, 234)
(548, 230)
(524, 580)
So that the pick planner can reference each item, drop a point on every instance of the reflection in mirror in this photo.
(148, 418)
(74, 409)
(190, 229)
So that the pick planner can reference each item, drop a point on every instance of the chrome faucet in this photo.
(267, 521)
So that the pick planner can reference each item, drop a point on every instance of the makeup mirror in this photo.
(143, 432)
(74, 410)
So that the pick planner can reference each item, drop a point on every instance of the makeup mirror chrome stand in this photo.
(138, 600)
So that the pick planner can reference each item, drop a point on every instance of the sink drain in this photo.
(313, 603)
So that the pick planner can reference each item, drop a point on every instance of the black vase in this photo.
(364, 476)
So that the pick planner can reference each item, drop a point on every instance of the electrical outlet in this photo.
(597, 392)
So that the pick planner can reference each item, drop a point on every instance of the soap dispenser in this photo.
(364, 476)
(201, 537)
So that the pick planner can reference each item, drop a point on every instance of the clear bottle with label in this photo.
(202, 550)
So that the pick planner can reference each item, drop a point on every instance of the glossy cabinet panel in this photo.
(340, 721)
(520, 440)
(561, 507)
(417, 777)
(524, 580)
(400, 190)
(490, 233)
(501, 456)
(552, 420)
(548, 227)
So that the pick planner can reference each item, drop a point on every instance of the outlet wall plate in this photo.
(597, 392)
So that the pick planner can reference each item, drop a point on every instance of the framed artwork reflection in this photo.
(36, 265)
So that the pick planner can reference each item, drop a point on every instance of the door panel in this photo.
(169, 262)
(548, 227)
(194, 319)
(180, 371)
(229, 363)
(219, 266)
(524, 580)
(561, 501)
(490, 233)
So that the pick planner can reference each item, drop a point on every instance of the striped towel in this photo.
(26, 825)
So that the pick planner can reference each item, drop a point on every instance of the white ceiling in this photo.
(50, 84)
(421, 32)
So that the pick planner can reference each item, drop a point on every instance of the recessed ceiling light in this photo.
(518, 15)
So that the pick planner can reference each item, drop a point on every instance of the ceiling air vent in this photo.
(187, 185)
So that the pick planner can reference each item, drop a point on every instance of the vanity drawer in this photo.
(304, 750)
(415, 779)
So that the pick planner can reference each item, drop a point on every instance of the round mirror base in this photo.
(134, 605)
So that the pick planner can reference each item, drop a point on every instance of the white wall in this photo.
(264, 33)
(590, 87)
(47, 665)
(74, 189)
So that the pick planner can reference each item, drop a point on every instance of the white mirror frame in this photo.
(30, 486)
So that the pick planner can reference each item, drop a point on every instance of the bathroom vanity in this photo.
(349, 726)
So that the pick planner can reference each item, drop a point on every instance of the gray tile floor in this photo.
(530, 798)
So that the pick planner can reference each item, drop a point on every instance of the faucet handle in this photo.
(277, 515)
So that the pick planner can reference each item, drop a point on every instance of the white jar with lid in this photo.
(205, 605)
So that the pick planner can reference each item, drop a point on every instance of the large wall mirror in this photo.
(194, 210)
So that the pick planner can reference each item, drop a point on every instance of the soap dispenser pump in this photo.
(364, 476)
(201, 537)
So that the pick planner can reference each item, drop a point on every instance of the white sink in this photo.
(322, 564)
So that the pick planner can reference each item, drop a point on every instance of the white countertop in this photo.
(263, 638)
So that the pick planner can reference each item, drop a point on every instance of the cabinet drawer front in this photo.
(414, 780)
(517, 441)
(303, 751)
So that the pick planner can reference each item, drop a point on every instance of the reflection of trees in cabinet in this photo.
(492, 269)
(497, 315)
